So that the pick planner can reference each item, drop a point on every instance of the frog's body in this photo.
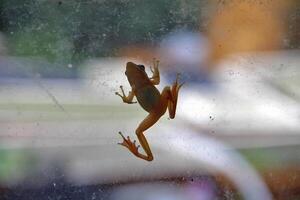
(150, 100)
(148, 97)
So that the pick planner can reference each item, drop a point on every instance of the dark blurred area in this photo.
(66, 32)
(236, 134)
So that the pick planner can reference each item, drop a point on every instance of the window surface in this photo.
(236, 132)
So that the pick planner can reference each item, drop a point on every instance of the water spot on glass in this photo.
(231, 72)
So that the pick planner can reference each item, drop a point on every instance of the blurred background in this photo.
(236, 134)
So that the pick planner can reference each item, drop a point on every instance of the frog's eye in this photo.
(142, 67)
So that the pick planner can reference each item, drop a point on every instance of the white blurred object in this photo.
(184, 48)
(246, 100)
(217, 157)
(103, 77)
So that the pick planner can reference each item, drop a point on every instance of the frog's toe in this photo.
(120, 133)
(179, 86)
(124, 142)
(151, 68)
(118, 94)
(176, 86)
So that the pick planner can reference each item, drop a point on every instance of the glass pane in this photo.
(209, 93)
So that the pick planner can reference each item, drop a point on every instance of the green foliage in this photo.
(64, 31)
(15, 164)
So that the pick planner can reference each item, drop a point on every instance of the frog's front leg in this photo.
(151, 119)
(126, 99)
(155, 79)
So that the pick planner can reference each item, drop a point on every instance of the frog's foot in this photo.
(123, 93)
(155, 79)
(155, 65)
(133, 148)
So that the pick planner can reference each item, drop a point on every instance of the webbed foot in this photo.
(155, 79)
(133, 148)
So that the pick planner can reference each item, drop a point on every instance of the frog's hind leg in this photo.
(172, 103)
(151, 119)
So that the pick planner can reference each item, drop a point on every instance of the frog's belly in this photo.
(148, 97)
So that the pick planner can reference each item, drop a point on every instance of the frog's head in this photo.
(136, 74)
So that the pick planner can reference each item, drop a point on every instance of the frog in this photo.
(151, 100)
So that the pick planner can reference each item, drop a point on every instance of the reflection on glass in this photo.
(237, 122)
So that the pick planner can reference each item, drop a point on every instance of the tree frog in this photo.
(151, 100)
